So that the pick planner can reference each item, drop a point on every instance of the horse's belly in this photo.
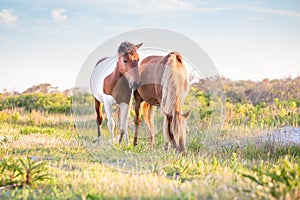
(100, 96)
(153, 102)
(150, 94)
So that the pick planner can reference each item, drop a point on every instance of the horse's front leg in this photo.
(137, 120)
(123, 122)
(182, 148)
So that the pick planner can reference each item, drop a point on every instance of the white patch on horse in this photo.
(102, 70)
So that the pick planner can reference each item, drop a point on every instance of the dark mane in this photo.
(126, 47)
(100, 61)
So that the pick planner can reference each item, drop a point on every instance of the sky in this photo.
(47, 41)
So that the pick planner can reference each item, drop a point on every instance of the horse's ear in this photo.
(187, 114)
(138, 45)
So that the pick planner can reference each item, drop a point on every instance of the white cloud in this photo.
(154, 6)
(165, 6)
(210, 9)
(7, 17)
(58, 15)
(144, 6)
(275, 11)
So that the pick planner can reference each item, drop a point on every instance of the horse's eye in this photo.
(125, 61)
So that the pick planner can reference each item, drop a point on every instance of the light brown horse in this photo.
(164, 83)
(112, 82)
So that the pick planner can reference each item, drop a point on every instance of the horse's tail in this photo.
(171, 131)
(175, 57)
(176, 124)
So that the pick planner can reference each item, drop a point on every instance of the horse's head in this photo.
(128, 63)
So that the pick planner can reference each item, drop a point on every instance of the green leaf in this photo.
(253, 179)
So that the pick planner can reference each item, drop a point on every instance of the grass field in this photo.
(42, 156)
(224, 169)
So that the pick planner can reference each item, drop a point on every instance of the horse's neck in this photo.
(111, 80)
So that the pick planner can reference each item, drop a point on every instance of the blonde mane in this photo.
(175, 88)
(175, 84)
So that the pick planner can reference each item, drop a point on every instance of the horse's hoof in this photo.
(184, 153)
(118, 139)
(98, 140)
(112, 141)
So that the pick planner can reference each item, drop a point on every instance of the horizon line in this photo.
(60, 89)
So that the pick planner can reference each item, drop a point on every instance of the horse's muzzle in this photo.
(135, 85)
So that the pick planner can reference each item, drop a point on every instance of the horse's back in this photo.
(151, 59)
(103, 68)
(154, 71)
(164, 78)
(151, 71)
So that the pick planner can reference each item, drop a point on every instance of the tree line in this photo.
(255, 92)
(46, 98)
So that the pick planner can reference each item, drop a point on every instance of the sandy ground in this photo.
(286, 135)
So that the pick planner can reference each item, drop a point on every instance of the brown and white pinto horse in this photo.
(164, 83)
(112, 82)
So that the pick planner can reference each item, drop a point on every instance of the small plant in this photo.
(179, 167)
(280, 182)
(20, 172)
(15, 117)
(4, 141)
(3, 116)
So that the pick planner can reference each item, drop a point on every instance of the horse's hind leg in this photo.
(137, 120)
(98, 108)
(166, 130)
(110, 120)
(149, 111)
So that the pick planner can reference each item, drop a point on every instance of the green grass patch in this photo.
(34, 129)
